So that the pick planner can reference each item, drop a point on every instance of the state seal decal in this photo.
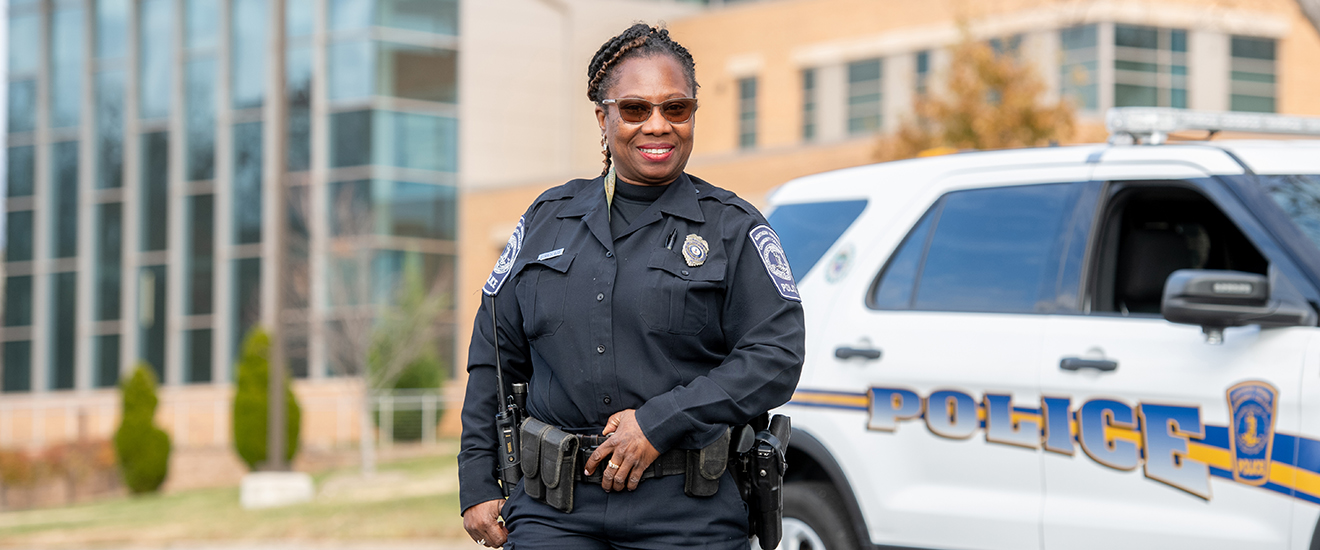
(775, 261)
(695, 250)
(1253, 405)
(505, 263)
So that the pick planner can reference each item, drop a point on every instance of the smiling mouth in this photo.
(655, 154)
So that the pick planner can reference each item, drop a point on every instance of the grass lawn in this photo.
(415, 498)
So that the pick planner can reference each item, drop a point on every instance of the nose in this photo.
(656, 124)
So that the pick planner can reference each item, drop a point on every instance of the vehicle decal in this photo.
(1184, 454)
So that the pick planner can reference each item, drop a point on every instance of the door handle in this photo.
(846, 352)
(1077, 363)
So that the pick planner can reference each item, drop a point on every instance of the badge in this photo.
(695, 250)
(505, 263)
(1252, 434)
(775, 261)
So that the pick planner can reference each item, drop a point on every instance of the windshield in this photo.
(1299, 197)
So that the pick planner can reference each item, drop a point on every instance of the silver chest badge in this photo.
(694, 250)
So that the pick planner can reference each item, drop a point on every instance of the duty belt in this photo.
(670, 463)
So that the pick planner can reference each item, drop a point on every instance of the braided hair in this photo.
(639, 40)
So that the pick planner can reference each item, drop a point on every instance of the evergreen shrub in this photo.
(250, 403)
(142, 449)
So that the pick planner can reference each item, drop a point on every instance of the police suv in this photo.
(1105, 346)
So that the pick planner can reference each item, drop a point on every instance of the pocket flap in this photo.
(714, 458)
(557, 449)
(673, 263)
(529, 441)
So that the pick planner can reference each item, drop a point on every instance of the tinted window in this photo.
(995, 249)
(894, 289)
(807, 230)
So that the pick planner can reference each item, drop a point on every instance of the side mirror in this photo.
(1217, 299)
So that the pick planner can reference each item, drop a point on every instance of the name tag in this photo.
(551, 254)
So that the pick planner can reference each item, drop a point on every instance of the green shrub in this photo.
(424, 373)
(143, 450)
(250, 403)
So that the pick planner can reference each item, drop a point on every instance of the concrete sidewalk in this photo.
(282, 545)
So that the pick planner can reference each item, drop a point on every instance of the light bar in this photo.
(1153, 124)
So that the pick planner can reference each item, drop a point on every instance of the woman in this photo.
(644, 305)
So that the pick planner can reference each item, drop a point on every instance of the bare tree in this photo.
(365, 337)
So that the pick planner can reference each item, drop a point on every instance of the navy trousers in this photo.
(657, 515)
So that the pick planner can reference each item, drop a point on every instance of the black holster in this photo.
(549, 460)
(759, 469)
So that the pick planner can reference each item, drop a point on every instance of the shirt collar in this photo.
(679, 200)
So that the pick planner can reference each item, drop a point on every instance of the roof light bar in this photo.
(1152, 125)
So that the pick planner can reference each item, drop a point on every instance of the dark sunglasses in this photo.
(677, 110)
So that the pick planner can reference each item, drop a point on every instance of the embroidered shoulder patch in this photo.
(776, 263)
(505, 263)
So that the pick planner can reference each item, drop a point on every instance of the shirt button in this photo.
(609, 254)
(600, 296)
(606, 400)
(685, 272)
(600, 349)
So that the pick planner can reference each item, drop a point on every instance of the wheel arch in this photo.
(809, 460)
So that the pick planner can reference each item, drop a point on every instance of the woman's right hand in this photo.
(483, 524)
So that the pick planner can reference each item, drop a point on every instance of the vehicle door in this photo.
(938, 341)
(1156, 435)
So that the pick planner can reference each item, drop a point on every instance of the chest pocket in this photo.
(542, 285)
(682, 299)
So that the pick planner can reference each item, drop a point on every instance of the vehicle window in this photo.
(894, 288)
(1299, 197)
(983, 250)
(807, 230)
(1152, 231)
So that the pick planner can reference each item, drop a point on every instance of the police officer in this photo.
(644, 304)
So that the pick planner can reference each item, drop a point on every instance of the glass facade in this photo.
(1079, 74)
(808, 104)
(391, 89)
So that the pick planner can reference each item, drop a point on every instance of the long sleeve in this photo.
(766, 337)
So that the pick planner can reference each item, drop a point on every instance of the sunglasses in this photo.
(677, 110)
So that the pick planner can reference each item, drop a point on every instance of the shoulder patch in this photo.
(505, 263)
(776, 263)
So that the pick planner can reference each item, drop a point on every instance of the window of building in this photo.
(199, 260)
(64, 200)
(197, 354)
(1079, 78)
(865, 96)
(66, 66)
(110, 129)
(298, 92)
(109, 249)
(18, 301)
(393, 208)
(922, 79)
(434, 16)
(202, 20)
(155, 191)
(22, 106)
(415, 72)
(1150, 67)
(151, 318)
(24, 39)
(18, 231)
(62, 337)
(808, 104)
(112, 28)
(105, 360)
(17, 367)
(156, 58)
(247, 183)
(21, 171)
(387, 138)
(747, 112)
(248, 53)
(245, 309)
(1252, 78)
(984, 250)
(199, 120)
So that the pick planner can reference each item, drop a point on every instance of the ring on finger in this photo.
(613, 466)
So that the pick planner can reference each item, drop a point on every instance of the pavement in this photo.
(287, 545)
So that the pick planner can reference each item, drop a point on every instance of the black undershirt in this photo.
(629, 203)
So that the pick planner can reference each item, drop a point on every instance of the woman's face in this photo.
(653, 152)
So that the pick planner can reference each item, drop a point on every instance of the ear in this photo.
(600, 117)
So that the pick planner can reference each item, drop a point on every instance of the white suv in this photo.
(1108, 346)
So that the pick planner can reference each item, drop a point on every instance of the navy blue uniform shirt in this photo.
(598, 323)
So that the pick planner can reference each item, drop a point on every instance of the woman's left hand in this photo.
(632, 453)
